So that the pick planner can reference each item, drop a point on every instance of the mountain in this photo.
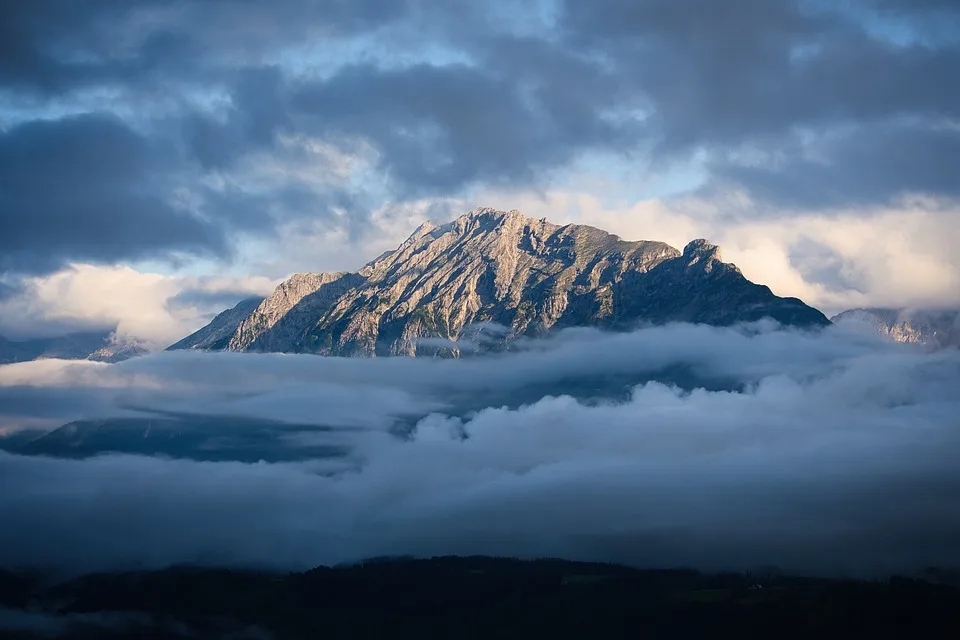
(291, 310)
(217, 334)
(195, 437)
(933, 328)
(118, 350)
(491, 276)
(96, 345)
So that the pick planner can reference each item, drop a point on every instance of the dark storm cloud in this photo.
(720, 75)
(89, 187)
(49, 46)
(450, 96)
(440, 128)
(717, 72)
(864, 166)
(836, 454)
(256, 115)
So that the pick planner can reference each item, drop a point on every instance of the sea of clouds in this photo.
(721, 448)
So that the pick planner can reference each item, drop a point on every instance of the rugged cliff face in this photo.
(491, 276)
(281, 319)
(485, 267)
(216, 335)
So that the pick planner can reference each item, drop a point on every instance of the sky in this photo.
(160, 160)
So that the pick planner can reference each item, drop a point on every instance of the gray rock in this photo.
(490, 276)
(280, 320)
(217, 334)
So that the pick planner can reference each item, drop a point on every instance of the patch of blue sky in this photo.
(136, 111)
(535, 18)
(805, 51)
(896, 31)
(323, 59)
(14, 112)
(900, 28)
(617, 178)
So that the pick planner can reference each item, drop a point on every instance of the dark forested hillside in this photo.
(476, 598)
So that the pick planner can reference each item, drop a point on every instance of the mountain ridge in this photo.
(933, 328)
(98, 346)
(527, 275)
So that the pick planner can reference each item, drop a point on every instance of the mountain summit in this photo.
(501, 273)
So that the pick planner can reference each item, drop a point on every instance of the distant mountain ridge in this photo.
(491, 268)
(217, 334)
(933, 328)
(99, 346)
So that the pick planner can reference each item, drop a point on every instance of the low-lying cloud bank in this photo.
(719, 448)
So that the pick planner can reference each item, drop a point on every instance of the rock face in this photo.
(491, 276)
(290, 310)
(217, 334)
(933, 328)
(698, 287)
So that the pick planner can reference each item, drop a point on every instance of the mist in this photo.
(828, 453)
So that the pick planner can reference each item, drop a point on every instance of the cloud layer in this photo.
(820, 453)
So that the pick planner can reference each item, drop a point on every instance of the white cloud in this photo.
(317, 245)
(827, 452)
(136, 304)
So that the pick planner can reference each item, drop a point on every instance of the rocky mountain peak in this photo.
(490, 214)
(426, 227)
(704, 253)
(500, 268)
(486, 220)
(282, 312)
(701, 249)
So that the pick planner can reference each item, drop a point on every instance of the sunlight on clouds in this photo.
(892, 256)
(310, 161)
(315, 245)
(52, 372)
(834, 260)
(136, 304)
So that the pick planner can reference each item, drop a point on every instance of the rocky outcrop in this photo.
(699, 287)
(282, 318)
(515, 275)
(118, 349)
(485, 267)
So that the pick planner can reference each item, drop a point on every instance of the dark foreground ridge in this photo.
(475, 597)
